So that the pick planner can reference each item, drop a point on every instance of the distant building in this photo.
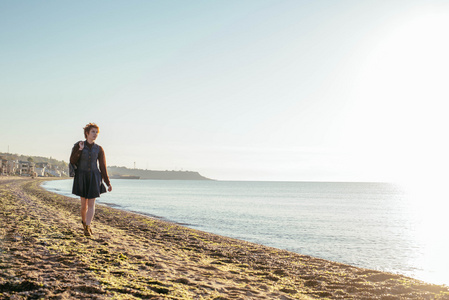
(40, 171)
(26, 168)
(3, 166)
(12, 167)
(53, 173)
(41, 168)
(43, 165)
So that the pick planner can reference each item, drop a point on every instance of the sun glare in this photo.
(412, 60)
(400, 96)
(428, 206)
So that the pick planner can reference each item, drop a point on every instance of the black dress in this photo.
(87, 181)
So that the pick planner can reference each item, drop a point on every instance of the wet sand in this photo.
(44, 254)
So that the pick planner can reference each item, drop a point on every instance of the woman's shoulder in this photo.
(100, 150)
(77, 144)
(98, 147)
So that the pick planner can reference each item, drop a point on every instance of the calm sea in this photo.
(372, 225)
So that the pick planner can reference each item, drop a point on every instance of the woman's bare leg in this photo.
(90, 210)
(83, 209)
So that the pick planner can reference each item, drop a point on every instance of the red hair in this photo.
(88, 127)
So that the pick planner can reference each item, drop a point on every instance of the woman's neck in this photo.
(91, 142)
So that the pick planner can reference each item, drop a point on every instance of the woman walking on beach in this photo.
(87, 182)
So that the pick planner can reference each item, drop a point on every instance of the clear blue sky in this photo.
(238, 90)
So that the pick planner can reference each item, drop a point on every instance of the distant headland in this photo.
(125, 173)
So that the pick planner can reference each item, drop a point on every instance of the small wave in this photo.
(109, 204)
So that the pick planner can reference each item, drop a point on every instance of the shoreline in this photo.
(44, 254)
(375, 253)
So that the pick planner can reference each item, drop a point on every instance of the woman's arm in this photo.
(103, 169)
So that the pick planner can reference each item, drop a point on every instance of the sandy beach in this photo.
(44, 254)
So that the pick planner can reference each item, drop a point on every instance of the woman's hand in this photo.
(110, 188)
(81, 144)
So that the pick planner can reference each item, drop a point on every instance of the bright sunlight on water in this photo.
(428, 210)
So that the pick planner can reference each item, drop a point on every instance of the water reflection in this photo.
(428, 208)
